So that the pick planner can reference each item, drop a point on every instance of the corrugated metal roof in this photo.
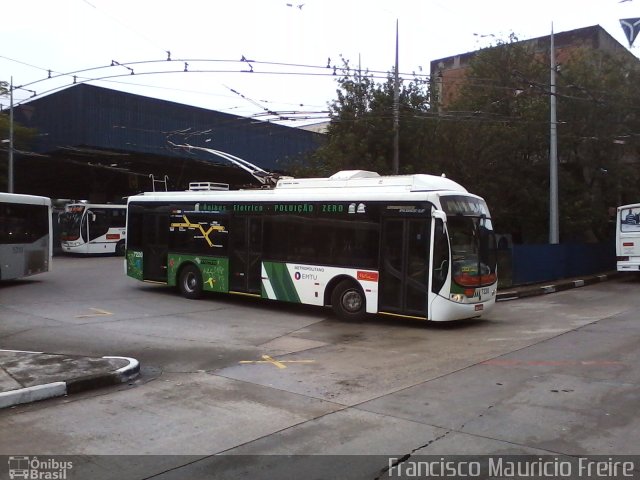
(99, 118)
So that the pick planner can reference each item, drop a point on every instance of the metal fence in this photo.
(525, 264)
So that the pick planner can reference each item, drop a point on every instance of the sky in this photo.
(290, 46)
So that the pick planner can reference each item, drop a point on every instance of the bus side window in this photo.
(99, 223)
(4, 224)
(135, 227)
(116, 219)
(440, 256)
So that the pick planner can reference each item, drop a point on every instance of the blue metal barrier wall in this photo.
(541, 263)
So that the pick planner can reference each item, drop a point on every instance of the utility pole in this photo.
(554, 236)
(396, 114)
(10, 167)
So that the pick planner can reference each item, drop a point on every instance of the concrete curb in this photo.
(74, 385)
(532, 291)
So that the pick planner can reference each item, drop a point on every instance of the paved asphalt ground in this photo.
(553, 376)
(32, 376)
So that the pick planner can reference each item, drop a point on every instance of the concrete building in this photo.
(449, 73)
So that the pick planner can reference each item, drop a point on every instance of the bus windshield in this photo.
(70, 224)
(473, 251)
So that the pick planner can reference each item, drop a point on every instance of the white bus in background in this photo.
(26, 241)
(91, 228)
(628, 238)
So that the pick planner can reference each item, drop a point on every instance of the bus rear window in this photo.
(23, 223)
(630, 220)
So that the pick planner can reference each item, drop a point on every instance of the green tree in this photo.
(22, 137)
(497, 138)
(599, 114)
(494, 136)
(360, 134)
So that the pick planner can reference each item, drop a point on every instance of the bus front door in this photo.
(96, 223)
(245, 254)
(404, 266)
(85, 230)
(155, 234)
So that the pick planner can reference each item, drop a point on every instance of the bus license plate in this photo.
(479, 307)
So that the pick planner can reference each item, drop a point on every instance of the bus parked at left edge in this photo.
(26, 240)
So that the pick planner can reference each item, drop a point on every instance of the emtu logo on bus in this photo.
(305, 276)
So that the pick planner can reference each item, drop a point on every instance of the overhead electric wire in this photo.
(122, 24)
(77, 79)
(24, 63)
(191, 61)
(468, 81)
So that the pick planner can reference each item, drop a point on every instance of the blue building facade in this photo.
(103, 144)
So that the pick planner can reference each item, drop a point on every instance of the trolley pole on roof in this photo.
(553, 152)
(10, 166)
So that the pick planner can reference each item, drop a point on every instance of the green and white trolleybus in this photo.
(417, 246)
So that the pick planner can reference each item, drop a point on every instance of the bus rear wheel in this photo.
(190, 282)
(348, 301)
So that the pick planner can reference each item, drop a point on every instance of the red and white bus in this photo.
(90, 228)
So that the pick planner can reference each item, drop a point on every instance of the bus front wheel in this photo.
(120, 248)
(348, 301)
(190, 282)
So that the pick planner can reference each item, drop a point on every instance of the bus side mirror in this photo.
(439, 215)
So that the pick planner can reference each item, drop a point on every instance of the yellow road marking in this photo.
(273, 361)
(100, 313)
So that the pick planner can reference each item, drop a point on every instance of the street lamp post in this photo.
(10, 166)
(396, 114)
(554, 236)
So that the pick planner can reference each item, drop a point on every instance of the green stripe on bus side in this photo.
(214, 270)
(281, 282)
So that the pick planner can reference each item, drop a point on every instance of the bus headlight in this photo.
(458, 297)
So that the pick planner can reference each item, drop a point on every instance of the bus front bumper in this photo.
(443, 309)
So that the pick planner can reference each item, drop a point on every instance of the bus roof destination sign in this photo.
(458, 205)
